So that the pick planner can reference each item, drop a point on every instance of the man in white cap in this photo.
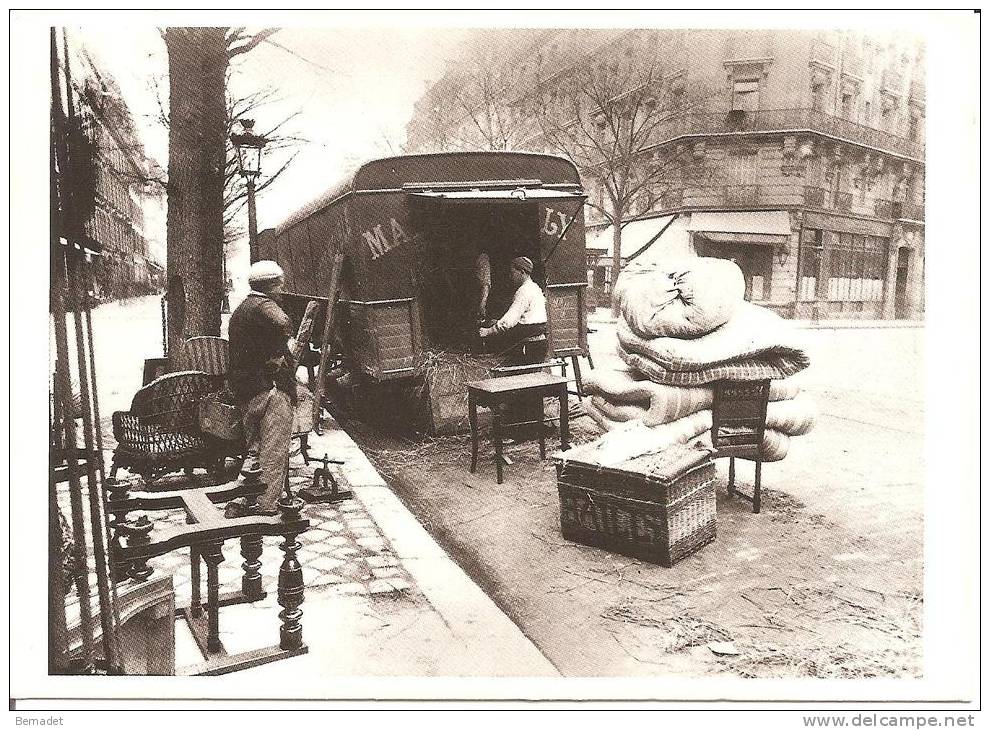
(524, 324)
(262, 379)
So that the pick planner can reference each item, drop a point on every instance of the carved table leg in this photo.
(138, 533)
(252, 547)
(213, 555)
(290, 580)
(117, 493)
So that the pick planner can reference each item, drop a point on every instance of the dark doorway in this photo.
(900, 287)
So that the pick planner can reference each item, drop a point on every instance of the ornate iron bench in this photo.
(161, 432)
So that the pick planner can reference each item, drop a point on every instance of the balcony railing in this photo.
(772, 120)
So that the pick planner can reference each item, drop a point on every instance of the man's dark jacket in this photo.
(259, 332)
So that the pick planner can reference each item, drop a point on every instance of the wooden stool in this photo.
(204, 535)
(496, 392)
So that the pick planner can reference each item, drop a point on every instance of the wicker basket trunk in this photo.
(661, 513)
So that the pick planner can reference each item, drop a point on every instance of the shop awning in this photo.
(638, 233)
(767, 227)
(518, 195)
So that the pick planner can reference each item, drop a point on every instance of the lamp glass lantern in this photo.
(249, 146)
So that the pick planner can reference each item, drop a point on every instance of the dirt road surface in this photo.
(825, 582)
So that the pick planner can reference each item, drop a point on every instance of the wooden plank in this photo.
(332, 295)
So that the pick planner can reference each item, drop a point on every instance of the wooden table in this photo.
(135, 542)
(496, 392)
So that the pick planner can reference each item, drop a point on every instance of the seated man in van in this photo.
(524, 325)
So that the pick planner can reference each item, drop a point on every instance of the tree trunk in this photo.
(197, 64)
(616, 258)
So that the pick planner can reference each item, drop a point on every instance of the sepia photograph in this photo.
(584, 358)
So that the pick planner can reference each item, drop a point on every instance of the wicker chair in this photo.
(739, 415)
(161, 432)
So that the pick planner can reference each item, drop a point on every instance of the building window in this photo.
(818, 89)
(848, 104)
(746, 95)
(855, 267)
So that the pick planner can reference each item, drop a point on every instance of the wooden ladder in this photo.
(328, 329)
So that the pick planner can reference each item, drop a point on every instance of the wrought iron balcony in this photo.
(785, 120)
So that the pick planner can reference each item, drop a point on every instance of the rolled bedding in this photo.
(627, 395)
(755, 344)
(624, 441)
(683, 297)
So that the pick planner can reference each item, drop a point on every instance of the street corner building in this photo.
(800, 155)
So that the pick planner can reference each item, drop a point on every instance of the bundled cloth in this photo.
(628, 395)
(683, 297)
(684, 326)
(755, 344)
(631, 438)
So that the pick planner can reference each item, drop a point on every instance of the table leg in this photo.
(196, 601)
(497, 439)
(577, 375)
(473, 418)
(543, 432)
(213, 557)
(565, 431)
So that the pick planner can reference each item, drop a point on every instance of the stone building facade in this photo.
(129, 203)
(799, 154)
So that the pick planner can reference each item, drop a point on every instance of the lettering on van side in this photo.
(550, 226)
(379, 244)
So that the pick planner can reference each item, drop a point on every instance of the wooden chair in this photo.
(161, 432)
(210, 355)
(739, 415)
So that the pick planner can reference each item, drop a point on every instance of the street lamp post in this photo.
(249, 146)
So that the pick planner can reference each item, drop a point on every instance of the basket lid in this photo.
(671, 463)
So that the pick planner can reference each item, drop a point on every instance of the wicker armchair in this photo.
(161, 432)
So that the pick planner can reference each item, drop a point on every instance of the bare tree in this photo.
(472, 107)
(608, 116)
(198, 60)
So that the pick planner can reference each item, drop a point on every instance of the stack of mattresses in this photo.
(684, 325)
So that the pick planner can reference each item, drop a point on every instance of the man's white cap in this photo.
(264, 271)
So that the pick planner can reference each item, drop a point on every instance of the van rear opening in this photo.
(451, 239)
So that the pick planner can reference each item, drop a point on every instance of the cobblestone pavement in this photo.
(343, 552)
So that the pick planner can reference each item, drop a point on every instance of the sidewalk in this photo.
(382, 598)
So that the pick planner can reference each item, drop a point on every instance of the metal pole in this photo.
(80, 301)
(252, 221)
(63, 382)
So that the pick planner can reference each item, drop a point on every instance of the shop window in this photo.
(811, 259)
(855, 268)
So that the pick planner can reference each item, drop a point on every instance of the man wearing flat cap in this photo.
(525, 325)
(262, 379)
